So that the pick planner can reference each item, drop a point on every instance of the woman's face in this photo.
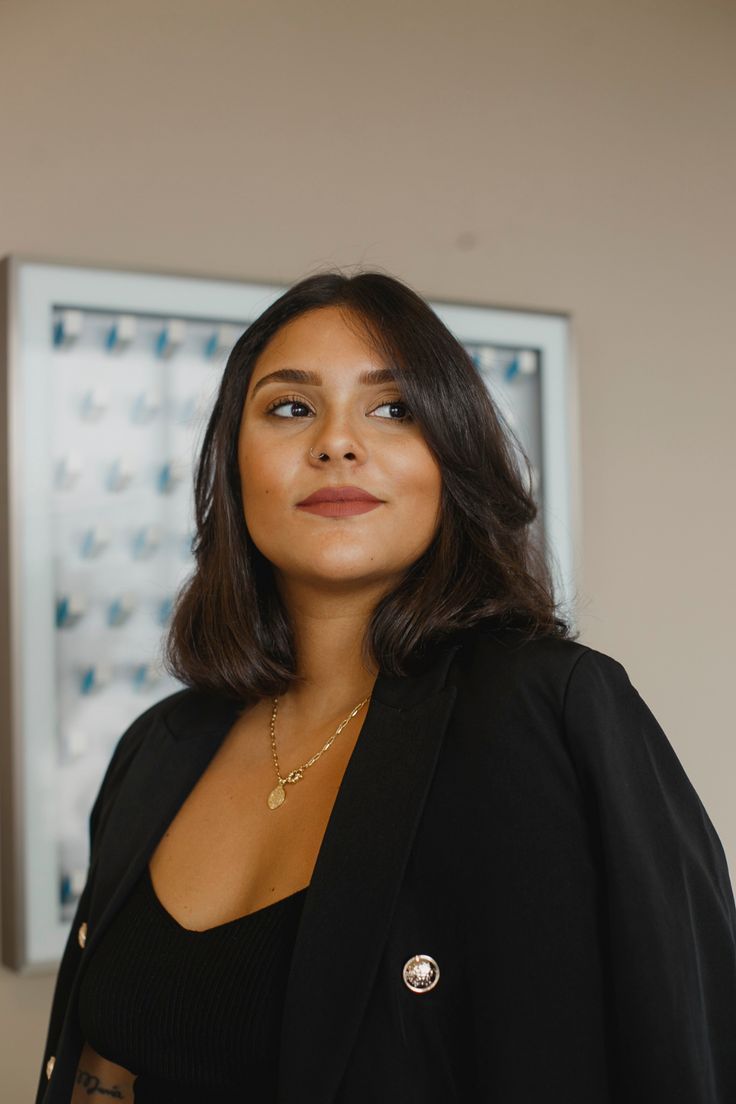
(369, 441)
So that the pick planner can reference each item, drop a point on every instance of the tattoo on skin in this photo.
(91, 1084)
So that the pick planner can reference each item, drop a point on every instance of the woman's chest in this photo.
(226, 852)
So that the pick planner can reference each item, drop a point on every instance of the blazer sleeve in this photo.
(669, 942)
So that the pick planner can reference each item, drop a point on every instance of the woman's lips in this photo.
(341, 509)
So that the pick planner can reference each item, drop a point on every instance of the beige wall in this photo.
(570, 156)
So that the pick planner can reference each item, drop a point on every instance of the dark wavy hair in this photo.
(230, 633)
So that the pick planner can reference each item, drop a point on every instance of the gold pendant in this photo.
(276, 797)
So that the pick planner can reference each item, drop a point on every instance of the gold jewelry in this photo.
(278, 793)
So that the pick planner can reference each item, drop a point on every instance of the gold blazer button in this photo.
(82, 934)
(421, 973)
(50, 1067)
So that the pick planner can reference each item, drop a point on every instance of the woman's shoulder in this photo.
(179, 714)
(504, 664)
(149, 720)
(505, 652)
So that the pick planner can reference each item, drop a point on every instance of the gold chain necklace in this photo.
(278, 793)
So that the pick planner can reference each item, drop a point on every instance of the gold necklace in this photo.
(278, 793)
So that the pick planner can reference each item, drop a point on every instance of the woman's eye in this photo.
(285, 402)
(394, 403)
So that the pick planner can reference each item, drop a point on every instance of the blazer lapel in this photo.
(356, 880)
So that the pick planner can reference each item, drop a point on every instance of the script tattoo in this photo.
(91, 1084)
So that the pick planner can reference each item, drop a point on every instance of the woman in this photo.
(401, 837)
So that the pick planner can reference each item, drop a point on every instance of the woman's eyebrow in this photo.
(301, 375)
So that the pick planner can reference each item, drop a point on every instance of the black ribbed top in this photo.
(190, 1011)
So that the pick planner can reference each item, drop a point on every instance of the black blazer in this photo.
(512, 810)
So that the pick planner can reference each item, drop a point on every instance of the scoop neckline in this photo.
(227, 923)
